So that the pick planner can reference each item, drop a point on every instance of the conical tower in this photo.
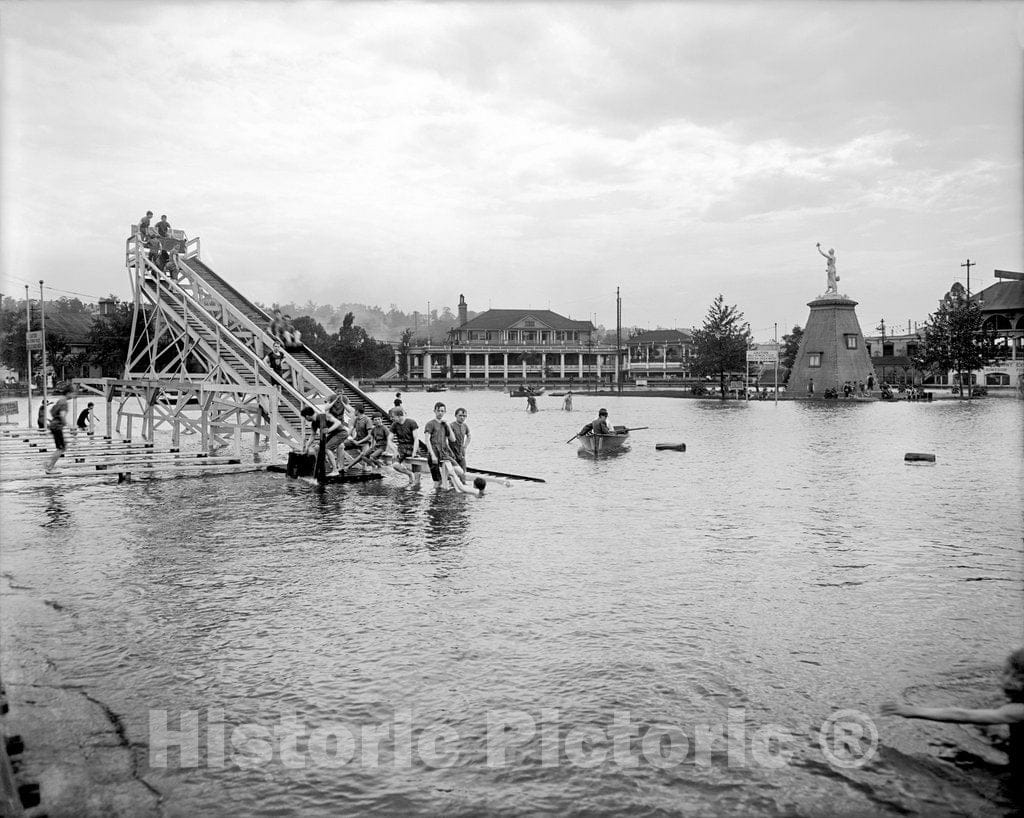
(832, 350)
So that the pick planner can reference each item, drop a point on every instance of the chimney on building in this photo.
(463, 310)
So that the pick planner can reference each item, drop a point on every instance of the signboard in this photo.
(8, 407)
(762, 356)
(34, 339)
(641, 381)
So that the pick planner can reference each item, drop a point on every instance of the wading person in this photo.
(393, 411)
(460, 431)
(1011, 714)
(567, 403)
(324, 426)
(438, 438)
(405, 431)
(87, 419)
(58, 422)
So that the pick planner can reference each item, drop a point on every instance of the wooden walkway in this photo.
(24, 454)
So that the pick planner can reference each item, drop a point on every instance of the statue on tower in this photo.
(830, 269)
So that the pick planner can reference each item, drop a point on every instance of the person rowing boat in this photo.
(598, 426)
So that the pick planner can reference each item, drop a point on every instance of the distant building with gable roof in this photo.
(515, 344)
(660, 353)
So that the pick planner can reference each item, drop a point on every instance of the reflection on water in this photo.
(787, 565)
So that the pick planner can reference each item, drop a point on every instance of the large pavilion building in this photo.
(1002, 305)
(515, 345)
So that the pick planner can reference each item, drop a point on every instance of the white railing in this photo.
(157, 287)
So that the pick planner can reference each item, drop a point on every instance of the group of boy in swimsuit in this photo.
(369, 439)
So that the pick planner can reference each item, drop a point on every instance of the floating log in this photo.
(670, 447)
(918, 457)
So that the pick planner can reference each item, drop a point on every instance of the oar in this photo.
(505, 474)
(637, 428)
(571, 439)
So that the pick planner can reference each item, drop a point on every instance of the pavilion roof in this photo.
(505, 319)
(1003, 296)
(661, 336)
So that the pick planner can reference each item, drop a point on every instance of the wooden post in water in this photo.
(148, 422)
(110, 410)
(28, 352)
(275, 399)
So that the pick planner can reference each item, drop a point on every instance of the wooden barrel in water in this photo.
(918, 457)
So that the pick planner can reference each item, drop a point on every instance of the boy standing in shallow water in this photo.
(438, 441)
(1011, 714)
(404, 430)
(460, 431)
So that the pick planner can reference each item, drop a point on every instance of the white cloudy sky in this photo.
(525, 154)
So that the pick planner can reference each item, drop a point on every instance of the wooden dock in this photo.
(24, 454)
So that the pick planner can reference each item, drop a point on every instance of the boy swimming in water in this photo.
(1011, 714)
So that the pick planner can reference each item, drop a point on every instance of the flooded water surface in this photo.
(655, 633)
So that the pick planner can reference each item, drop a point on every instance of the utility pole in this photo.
(776, 363)
(970, 386)
(28, 352)
(968, 264)
(618, 339)
(42, 327)
(881, 328)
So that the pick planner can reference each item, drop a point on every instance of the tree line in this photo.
(78, 336)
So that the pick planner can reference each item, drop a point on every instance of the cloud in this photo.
(399, 152)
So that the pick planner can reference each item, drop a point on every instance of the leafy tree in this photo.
(404, 345)
(313, 334)
(790, 347)
(59, 357)
(355, 353)
(721, 344)
(12, 338)
(953, 338)
(109, 338)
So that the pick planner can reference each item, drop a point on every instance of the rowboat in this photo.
(604, 445)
